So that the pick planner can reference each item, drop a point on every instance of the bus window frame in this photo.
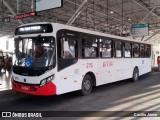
(133, 49)
(114, 43)
(112, 47)
(82, 46)
(130, 49)
(144, 51)
(76, 53)
(69, 61)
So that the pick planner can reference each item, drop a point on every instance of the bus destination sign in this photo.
(21, 16)
(34, 29)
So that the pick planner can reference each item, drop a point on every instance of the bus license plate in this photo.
(24, 88)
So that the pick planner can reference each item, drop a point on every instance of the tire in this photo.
(135, 75)
(86, 85)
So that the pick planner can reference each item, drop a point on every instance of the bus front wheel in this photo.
(135, 75)
(86, 85)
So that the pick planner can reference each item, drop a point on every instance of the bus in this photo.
(53, 59)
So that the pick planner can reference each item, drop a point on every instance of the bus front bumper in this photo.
(46, 90)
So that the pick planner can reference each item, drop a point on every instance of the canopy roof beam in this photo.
(76, 14)
(11, 10)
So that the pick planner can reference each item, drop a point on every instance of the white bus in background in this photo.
(52, 59)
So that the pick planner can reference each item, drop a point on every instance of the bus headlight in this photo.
(43, 82)
(46, 80)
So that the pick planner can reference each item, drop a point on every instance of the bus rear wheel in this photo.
(135, 75)
(86, 85)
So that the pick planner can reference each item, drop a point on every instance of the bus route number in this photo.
(89, 65)
(107, 64)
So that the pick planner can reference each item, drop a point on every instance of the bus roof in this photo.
(95, 32)
(62, 26)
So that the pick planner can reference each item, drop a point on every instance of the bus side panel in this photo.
(115, 70)
(144, 66)
(90, 66)
(65, 81)
(105, 71)
(70, 78)
(123, 68)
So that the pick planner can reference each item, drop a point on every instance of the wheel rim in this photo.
(87, 85)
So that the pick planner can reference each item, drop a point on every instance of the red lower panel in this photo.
(46, 90)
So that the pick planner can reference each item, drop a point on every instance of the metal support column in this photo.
(121, 33)
(127, 23)
(152, 35)
(92, 21)
(32, 6)
(145, 8)
(10, 9)
(17, 6)
(147, 15)
(76, 14)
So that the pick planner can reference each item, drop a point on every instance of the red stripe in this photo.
(46, 90)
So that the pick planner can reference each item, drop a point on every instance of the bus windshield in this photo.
(35, 52)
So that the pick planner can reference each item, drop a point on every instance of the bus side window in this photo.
(148, 50)
(118, 49)
(127, 49)
(142, 50)
(105, 48)
(68, 48)
(90, 47)
(136, 52)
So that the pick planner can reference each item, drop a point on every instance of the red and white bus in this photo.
(52, 59)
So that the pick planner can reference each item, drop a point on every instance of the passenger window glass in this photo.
(135, 50)
(105, 48)
(118, 49)
(127, 49)
(142, 51)
(90, 47)
(148, 50)
(68, 48)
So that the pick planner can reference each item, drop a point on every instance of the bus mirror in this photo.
(65, 46)
(19, 38)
